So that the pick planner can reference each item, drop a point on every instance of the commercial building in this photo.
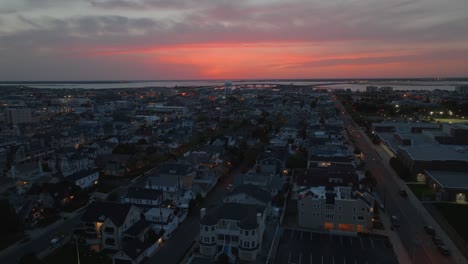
(15, 116)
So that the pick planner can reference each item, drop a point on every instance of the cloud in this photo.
(284, 35)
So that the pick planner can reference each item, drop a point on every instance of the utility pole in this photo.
(77, 250)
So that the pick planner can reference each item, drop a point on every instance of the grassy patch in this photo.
(451, 120)
(67, 254)
(422, 191)
(457, 216)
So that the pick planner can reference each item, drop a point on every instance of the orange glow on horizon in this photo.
(280, 60)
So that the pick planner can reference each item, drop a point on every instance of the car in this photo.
(443, 250)
(437, 240)
(403, 193)
(429, 230)
(229, 187)
(395, 221)
(56, 240)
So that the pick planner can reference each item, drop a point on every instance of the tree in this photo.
(11, 223)
(297, 160)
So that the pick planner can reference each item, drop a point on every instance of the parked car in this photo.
(437, 240)
(429, 230)
(444, 250)
(403, 193)
(229, 187)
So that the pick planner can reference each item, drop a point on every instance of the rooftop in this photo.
(449, 179)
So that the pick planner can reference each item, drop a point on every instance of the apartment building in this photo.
(233, 228)
(335, 209)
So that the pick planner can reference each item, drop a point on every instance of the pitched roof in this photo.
(134, 248)
(253, 191)
(143, 193)
(81, 174)
(137, 228)
(175, 169)
(100, 211)
(246, 214)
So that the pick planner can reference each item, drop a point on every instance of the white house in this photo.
(233, 228)
(84, 179)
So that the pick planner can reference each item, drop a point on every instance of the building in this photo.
(372, 89)
(168, 185)
(232, 228)
(106, 223)
(448, 185)
(143, 198)
(338, 209)
(84, 179)
(18, 116)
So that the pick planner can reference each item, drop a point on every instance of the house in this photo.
(336, 209)
(232, 228)
(183, 172)
(167, 184)
(249, 194)
(134, 252)
(163, 218)
(105, 223)
(27, 171)
(84, 179)
(143, 197)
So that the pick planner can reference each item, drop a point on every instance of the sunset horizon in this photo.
(187, 40)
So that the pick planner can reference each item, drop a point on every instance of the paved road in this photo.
(40, 243)
(419, 245)
(174, 249)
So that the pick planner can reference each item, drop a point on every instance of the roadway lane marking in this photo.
(300, 257)
(322, 259)
(372, 243)
(289, 258)
(310, 258)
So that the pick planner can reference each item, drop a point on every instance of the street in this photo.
(41, 242)
(417, 243)
(174, 249)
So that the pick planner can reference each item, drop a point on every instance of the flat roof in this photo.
(449, 179)
(435, 152)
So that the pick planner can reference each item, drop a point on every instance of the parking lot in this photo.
(303, 247)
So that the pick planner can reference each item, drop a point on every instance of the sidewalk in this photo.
(400, 251)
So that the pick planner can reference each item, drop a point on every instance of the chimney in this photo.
(202, 213)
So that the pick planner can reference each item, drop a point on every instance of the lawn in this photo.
(456, 215)
(451, 120)
(422, 191)
(67, 254)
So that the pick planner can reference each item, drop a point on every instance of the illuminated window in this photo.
(328, 226)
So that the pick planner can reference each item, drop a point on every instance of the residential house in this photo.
(106, 223)
(183, 172)
(144, 198)
(167, 184)
(84, 179)
(232, 228)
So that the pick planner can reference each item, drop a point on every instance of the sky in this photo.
(242, 39)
